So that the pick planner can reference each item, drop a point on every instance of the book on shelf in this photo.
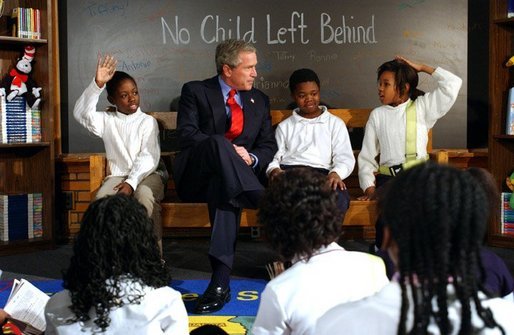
(26, 22)
(509, 120)
(18, 122)
(21, 216)
(506, 215)
(510, 8)
(26, 306)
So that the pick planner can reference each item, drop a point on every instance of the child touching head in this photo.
(130, 138)
(313, 138)
(116, 270)
(386, 130)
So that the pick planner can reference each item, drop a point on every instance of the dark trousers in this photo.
(216, 174)
(343, 196)
(380, 180)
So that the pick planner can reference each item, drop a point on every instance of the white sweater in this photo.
(385, 129)
(322, 142)
(131, 141)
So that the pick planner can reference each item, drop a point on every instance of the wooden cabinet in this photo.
(29, 167)
(501, 78)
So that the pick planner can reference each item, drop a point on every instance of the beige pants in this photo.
(149, 193)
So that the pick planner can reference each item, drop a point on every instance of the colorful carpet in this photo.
(235, 318)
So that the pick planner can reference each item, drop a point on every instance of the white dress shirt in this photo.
(131, 141)
(322, 142)
(380, 314)
(385, 130)
(161, 311)
(292, 302)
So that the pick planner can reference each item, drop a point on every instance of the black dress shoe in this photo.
(212, 300)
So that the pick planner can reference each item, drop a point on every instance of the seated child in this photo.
(397, 131)
(435, 219)
(302, 223)
(117, 282)
(130, 138)
(313, 138)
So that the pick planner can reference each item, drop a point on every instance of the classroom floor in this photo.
(187, 258)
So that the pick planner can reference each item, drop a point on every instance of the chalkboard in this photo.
(164, 44)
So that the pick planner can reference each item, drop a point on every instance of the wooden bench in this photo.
(177, 214)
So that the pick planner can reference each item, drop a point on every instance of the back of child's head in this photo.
(403, 74)
(437, 215)
(118, 77)
(302, 76)
(486, 180)
(299, 213)
(116, 240)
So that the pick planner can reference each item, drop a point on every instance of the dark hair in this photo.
(116, 240)
(299, 213)
(486, 180)
(115, 81)
(208, 330)
(403, 74)
(437, 215)
(302, 76)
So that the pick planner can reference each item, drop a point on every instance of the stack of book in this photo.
(21, 216)
(26, 23)
(18, 122)
(507, 215)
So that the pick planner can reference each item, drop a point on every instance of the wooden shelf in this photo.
(27, 168)
(15, 40)
(504, 137)
(501, 146)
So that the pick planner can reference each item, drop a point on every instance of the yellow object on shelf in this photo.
(510, 62)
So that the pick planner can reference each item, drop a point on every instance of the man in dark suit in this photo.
(226, 142)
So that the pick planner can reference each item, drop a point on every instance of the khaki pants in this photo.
(149, 193)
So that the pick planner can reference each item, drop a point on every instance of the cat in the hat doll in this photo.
(18, 82)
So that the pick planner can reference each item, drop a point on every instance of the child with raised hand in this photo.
(130, 138)
(386, 130)
(313, 138)
(116, 282)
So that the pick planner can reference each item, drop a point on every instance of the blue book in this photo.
(510, 8)
(509, 122)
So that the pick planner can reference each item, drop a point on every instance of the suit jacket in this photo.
(202, 113)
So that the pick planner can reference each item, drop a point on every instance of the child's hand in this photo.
(3, 316)
(105, 69)
(275, 173)
(124, 188)
(335, 181)
(416, 66)
(369, 194)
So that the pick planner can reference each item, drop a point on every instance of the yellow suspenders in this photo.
(410, 144)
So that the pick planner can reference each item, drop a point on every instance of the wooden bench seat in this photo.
(177, 214)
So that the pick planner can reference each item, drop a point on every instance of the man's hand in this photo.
(335, 181)
(241, 151)
(124, 188)
(105, 68)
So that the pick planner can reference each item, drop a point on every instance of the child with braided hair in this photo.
(435, 218)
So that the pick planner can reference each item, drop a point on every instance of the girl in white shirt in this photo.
(385, 134)
(302, 223)
(435, 220)
(117, 282)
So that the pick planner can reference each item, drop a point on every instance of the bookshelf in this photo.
(29, 167)
(501, 78)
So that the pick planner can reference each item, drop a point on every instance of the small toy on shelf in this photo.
(18, 82)
(510, 184)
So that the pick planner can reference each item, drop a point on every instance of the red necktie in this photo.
(236, 124)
